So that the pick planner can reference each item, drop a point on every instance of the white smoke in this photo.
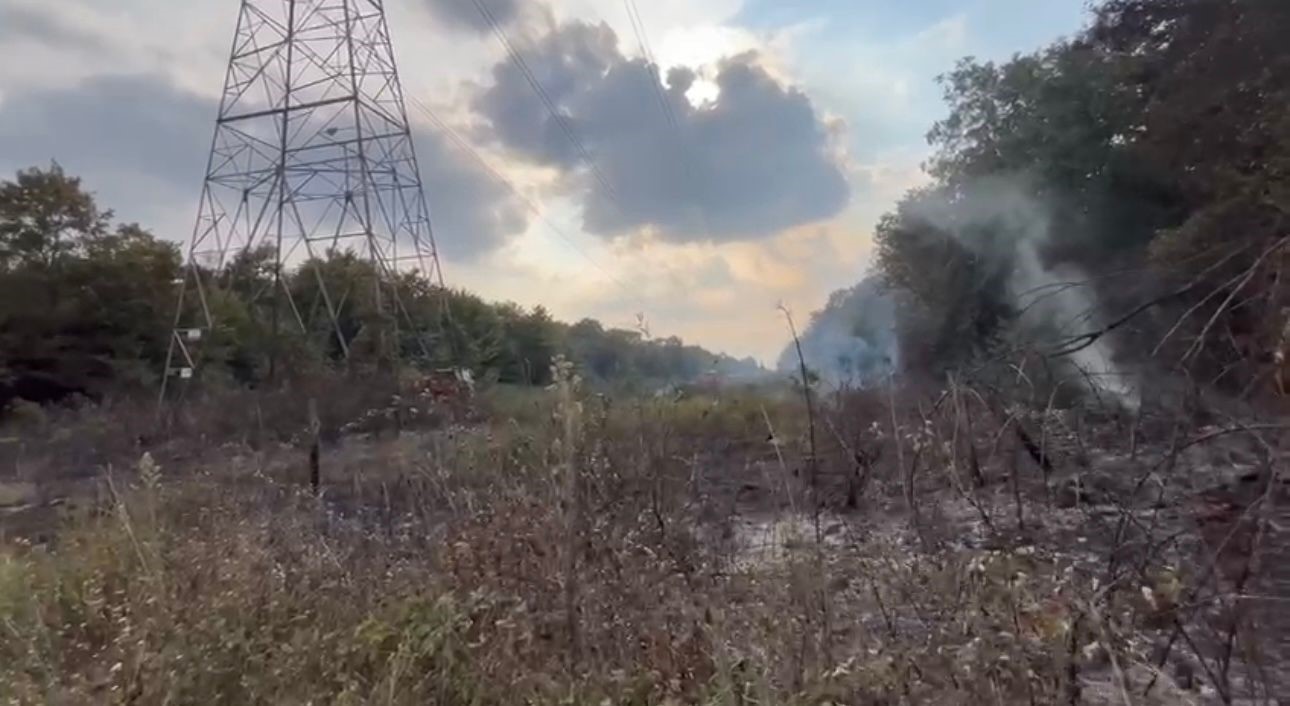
(852, 341)
(1063, 300)
(999, 221)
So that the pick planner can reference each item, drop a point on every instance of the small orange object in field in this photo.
(453, 385)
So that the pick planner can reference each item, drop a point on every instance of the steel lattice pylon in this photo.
(312, 154)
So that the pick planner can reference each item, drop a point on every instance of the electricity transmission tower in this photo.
(312, 158)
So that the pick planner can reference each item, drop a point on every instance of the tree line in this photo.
(87, 306)
(1127, 184)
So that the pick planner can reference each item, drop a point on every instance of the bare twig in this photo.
(1082, 341)
(817, 504)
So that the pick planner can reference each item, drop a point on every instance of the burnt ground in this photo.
(1211, 505)
(1212, 508)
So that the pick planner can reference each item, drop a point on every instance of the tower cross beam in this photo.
(312, 146)
(285, 109)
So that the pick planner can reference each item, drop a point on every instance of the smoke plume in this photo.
(1006, 227)
(852, 341)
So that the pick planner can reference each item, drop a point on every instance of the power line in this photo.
(642, 38)
(559, 118)
(669, 113)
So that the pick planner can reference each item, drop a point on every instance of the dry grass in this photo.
(576, 549)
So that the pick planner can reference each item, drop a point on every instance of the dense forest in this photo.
(87, 305)
(1115, 197)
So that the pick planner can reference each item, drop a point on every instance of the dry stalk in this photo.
(817, 503)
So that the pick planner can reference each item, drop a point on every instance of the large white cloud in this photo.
(758, 159)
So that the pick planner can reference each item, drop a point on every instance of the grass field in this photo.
(561, 546)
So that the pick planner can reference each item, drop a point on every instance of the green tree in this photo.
(45, 214)
(1157, 137)
(531, 345)
(82, 306)
(88, 306)
(1217, 77)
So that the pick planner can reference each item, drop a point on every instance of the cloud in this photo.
(142, 142)
(757, 160)
(951, 34)
(39, 24)
(464, 14)
(472, 213)
(136, 139)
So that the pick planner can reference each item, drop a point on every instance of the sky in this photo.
(751, 174)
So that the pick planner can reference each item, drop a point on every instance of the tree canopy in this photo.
(87, 306)
(1155, 143)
